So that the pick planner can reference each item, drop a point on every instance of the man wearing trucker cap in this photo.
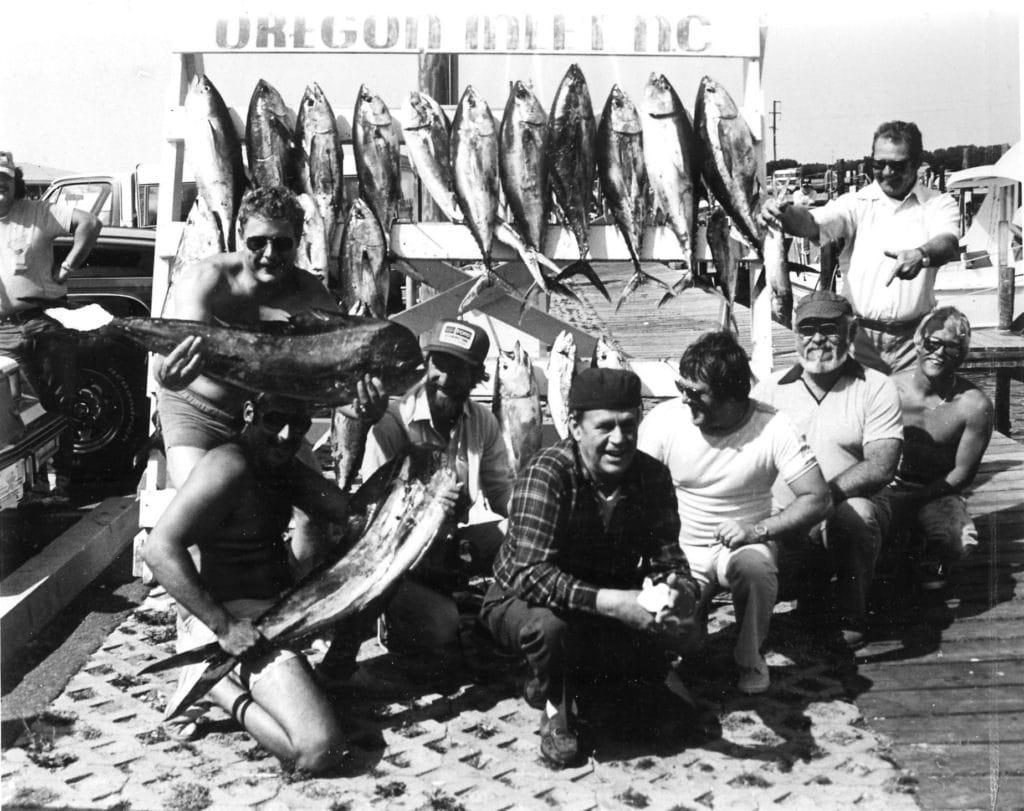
(31, 282)
(422, 616)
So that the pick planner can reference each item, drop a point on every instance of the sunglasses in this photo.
(896, 167)
(829, 329)
(281, 244)
(934, 345)
(691, 394)
(275, 421)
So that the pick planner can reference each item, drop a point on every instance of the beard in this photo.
(821, 367)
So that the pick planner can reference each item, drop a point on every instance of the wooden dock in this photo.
(951, 700)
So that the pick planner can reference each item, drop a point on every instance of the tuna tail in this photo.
(727, 320)
(641, 277)
(584, 267)
(203, 653)
(213, 674)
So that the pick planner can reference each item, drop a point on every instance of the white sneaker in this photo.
(753, 680)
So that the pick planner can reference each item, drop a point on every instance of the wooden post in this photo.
(761, 356)
(439, 77)
(1006, 296)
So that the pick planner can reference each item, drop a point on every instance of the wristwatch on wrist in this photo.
(926, 260)
(761, 531)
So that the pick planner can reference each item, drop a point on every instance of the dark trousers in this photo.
(45, 352)
(568, 651)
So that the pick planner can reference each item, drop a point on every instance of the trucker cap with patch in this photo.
(6, 163)
(465, 341)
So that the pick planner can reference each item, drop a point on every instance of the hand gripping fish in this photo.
(396, 515)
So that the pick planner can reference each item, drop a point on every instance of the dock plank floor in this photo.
(952, 700)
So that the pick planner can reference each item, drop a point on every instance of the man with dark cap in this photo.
(591, 518)
(851, 419)
(422, 617)
(724, 451)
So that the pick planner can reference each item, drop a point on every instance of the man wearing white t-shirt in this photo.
(897, 233)
(725, 451)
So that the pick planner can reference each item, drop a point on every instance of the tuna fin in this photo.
(683, 283)
(584, 267)
(213, 674)
(641, 277)
(188, 657)
(486, 280)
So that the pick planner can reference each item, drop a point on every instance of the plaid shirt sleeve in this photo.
(527, 566)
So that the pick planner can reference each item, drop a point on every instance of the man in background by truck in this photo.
(29, 285)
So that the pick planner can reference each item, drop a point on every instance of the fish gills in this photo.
(728, 157)
(561, 371)
(516, 406)
(375, 146)
(214, 153)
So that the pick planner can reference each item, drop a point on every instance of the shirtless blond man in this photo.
(947, 424)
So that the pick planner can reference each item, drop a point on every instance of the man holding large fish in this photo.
(898, 233)
(591, 517)
(438, 413)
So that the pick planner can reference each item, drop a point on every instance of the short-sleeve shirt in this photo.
(26, 253)
(862, 406)
(871, 222)
(475, 449)
(719, 477)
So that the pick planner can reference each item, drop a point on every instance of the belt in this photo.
(21, 316)
(894, 327)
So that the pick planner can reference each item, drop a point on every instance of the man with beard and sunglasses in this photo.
(258, 282)
(897, 234)
(725, 451)
(947, 424)
(850, 417)
(422, 616)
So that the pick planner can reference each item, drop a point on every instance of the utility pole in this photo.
(775, 140)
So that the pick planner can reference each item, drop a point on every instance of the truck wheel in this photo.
(111, 410)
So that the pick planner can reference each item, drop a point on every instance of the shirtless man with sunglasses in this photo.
(258, 282)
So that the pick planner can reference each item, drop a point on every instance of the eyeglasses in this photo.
(275, 421)
(828, 329)
(934, 345)
(690, 393)
(280, 244)
(896, 167)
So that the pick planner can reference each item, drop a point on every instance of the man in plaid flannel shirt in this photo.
(590, 518)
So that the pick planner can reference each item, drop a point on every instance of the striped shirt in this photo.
(558, 552)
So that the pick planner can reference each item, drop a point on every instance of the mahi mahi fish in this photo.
(215, 154)
(623, 174)
(427, 133)
(561, 371)
(670, 147)
(516, 406)
(321, 366)
(406, 510)
(364, 265)
(728, 157)
(269, 138)
(572, 138)
(375, 146)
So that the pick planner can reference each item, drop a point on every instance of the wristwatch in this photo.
(761, 531)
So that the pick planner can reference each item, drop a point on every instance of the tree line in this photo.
(949, 159)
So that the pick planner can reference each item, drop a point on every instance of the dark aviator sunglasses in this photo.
(280, 244)
(274, 421)
(896, 167)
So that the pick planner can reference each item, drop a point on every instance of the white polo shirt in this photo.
(862, 407)
(873, 223)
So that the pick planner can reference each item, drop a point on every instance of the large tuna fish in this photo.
(269, 139)
(320, 365)
(321, 169)
(201, 237)
(395, 523)
(572, 138)
(728, 157)
(561, 371)
(725, 254)
(608, 355)
(623, 174)
(517, 406)
(364, 265)
(474, 148)
(427, 134)
(215, 154)
(375, 146)
(670, 147)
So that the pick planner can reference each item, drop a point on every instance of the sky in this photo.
(86, 85)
